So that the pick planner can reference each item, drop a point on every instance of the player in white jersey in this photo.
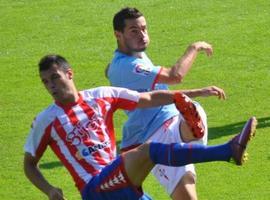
(78, 127)
(131, 68)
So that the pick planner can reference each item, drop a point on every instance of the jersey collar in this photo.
(70, 105)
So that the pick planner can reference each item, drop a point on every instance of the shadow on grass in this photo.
(50, 165)
(227, 130)
(214, 132)
(232, 129)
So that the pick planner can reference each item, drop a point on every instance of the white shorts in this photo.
(169, 177)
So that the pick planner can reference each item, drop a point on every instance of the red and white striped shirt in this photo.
(81, 134)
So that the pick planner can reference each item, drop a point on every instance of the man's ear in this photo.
(117, 34)
(70, 74)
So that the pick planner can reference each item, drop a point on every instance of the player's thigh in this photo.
(186, 188)
(112, 183)
(168, 132)
(170, 177)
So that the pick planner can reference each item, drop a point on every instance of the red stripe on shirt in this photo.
(78, 180)
(72, 149)
(90, 113)
(74, 120)
(115, 104)
(109, 124)
(72, 116)
(121, 103)
(45, 140)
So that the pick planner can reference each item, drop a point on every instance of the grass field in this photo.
(82, 32)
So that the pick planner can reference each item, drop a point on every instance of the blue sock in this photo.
(176, 154)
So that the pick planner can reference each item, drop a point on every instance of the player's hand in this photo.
(213, 91)
(56, 194)
(203, 46)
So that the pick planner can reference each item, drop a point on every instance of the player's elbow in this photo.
(27, 169)
(26, 166)
(170, 76)
(29, 164)
(176, 78)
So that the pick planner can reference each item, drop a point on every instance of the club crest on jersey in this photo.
(142, 69)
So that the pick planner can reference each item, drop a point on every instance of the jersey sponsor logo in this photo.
(94, 148)
(82, 131)
(78, 135)
(81, 134)
(142, 69)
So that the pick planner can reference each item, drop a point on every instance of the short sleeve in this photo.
(38, 137)
(119, 98)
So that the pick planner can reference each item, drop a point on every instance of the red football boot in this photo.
(190, 114)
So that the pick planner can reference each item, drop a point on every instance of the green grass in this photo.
(82, 32)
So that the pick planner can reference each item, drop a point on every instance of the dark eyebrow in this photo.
(55, 73)
(132, 27)
(144, 26)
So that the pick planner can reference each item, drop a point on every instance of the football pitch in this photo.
(82, 32)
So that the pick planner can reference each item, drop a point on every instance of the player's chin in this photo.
(140, 49)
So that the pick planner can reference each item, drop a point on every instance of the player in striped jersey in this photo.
(78, 127)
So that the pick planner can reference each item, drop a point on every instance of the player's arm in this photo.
(176, 73)
(33, 173)
(155, 98)
(164, 97)
(205, 92)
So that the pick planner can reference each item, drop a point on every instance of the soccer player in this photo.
(78, 127)
(132, 69)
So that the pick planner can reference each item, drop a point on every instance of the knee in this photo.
(186, 188)
(186, 133)
(143, 151)
(188, 178)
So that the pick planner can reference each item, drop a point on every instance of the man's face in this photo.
(58, 82)
(135, 37)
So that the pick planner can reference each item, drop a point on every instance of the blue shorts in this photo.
(112, 184)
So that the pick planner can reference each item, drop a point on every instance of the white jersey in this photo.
(81, 134)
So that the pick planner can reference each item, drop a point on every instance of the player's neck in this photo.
(69, 100)
(131, 53)
(71, 96)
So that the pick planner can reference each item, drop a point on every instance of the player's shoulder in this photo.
(124, 61)
(125, 68)
(99, 91)
(105, 91)
(46, 116)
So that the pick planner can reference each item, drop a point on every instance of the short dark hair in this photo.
(49, 60)
(122, 15)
